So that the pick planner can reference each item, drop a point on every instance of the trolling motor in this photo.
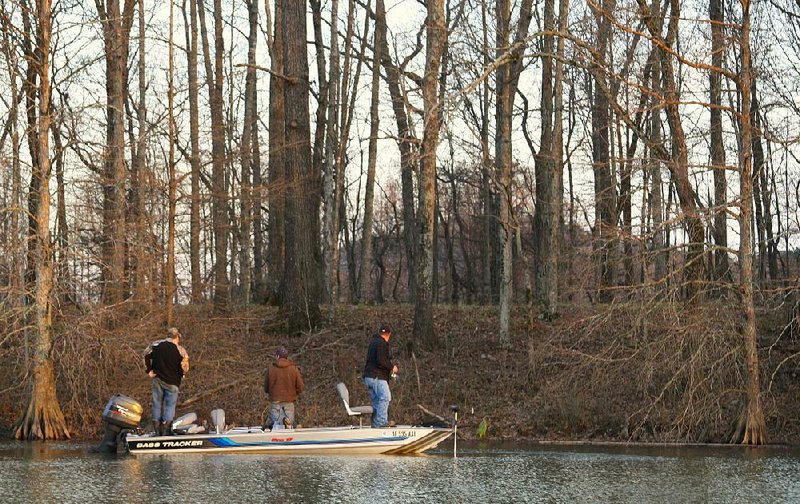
(454, 408)
(121, 415)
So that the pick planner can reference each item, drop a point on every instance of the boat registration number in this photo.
(403, 433)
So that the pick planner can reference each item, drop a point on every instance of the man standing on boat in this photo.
(377, 371)
(166, 362)
(283, 384)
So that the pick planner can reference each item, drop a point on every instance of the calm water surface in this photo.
(488, 473)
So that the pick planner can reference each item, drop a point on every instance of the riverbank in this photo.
(629, 372)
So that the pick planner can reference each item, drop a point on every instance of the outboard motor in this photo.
(122, 414)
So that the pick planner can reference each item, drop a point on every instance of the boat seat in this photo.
(358, 411)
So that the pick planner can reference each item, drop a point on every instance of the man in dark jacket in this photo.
(166, 362)
(377, 371)
(283, 384)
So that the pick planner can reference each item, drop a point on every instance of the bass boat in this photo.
(398, 440)
(122, 417)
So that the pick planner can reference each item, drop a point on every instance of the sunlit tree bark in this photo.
(752, 428)
(42, 417)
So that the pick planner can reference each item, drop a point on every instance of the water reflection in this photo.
(66, 473)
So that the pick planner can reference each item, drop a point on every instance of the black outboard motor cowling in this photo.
(121, 414)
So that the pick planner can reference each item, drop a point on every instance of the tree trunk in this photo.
(42, 418)
(194, 159)
(137, 248)
(347, 99)
(277, 166)
(679, 165)
(249, 122)
(330, 230)
(717, 17)
(301, 303)
(63, 285)
(768, 255)
(364, 287)
(169, 290)
(507, 77)
(406, 143)
(549, 167)
(604, 188)
(656, 184)
(323, 101)
(259, 276)
(754, 426)
(116, 35)
(322, 121)
(490, 227)
(436, 37)
(17, 259)
(29, 89)
(214, 80)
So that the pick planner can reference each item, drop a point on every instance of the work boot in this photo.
(156, 428)
(166, 428)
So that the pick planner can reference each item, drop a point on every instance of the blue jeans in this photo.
(381, 396)
(166, 395)
(280, 411)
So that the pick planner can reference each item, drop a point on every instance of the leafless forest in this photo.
(542, 158)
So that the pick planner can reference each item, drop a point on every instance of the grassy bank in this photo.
(627, 372)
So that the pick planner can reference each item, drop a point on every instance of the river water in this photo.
(65, 473)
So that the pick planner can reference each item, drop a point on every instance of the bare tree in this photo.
(656, 197)
(717, 18)
(752, 429)
(549, 167)
(169, 291)
(374, 126)
(194, 157)
(16, 280)
(406, 142)
(215, 80)
(604, 188)
(249, 123)
(436, 37)
(277, 166)
(507, 80)
(116, 23)
(137, 248)
(301, 303)
(42, 418)
(767, 245)
(679, 165)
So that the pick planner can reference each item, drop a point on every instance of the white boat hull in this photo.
(399, 440)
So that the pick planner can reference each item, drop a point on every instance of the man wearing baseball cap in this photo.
(166, 362)
(283, 384)
(377, 371)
